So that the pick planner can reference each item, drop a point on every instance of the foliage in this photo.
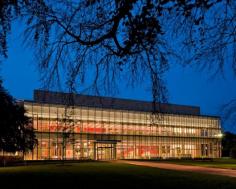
(228, 143)
(10, 160)
(16, 132)
(118, 38)
(233, 152)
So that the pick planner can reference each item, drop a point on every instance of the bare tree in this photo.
(229, 114)
(67, 123)
(113, 38)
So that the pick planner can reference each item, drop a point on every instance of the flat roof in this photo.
(60, 98)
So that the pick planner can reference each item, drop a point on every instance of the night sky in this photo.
(187, 86)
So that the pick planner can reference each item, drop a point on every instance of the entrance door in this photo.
(105, 151)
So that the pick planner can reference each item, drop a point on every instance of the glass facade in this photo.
(102, 134)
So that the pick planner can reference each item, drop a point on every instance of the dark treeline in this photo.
(229, 145)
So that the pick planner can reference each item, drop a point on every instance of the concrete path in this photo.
(198, 169)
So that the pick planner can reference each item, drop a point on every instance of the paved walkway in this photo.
(170, 166)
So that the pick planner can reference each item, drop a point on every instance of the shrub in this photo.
(8, 160)
(233, 152)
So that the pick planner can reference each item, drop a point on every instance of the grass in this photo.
(217, 163)
(106, 175)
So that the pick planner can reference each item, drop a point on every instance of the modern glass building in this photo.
(70, 126)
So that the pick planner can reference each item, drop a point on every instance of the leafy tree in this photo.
(229, 144)
(16, 131)
(233, 152)
(114, 38)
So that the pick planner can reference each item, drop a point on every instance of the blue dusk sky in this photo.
(187, 86)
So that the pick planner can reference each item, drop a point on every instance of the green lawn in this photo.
(218, 163)
(106, 175)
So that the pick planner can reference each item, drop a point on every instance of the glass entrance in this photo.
(105, 151)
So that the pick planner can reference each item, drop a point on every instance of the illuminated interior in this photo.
(81, 132)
